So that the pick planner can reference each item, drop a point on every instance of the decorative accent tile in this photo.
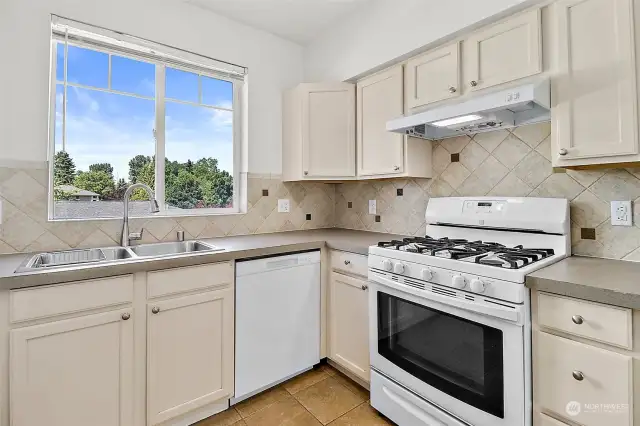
(455, 158)
(588, 233)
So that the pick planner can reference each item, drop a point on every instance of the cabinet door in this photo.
(504, 52)
(328, 130)
(349, 324)
(571, 375)
(434, 76)
(189, 353)
(380, 99)
(75, 372)
(595, 90)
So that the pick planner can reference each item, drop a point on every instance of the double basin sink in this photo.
(98, 256)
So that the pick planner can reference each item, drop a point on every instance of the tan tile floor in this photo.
(322, 396)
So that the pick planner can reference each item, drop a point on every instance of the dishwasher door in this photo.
(277, 320)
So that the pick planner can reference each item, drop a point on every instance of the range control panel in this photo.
(484, 207)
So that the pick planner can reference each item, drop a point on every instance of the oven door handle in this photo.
(497, 311)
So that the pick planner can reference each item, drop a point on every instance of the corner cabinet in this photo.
(319, 132)
(74, 372)
(595, 117)
(381, 153)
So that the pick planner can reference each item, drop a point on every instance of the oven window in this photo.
(459, 357)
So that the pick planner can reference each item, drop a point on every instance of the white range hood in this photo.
(525, 104)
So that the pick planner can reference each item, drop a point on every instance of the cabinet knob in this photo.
(365, 287)
(126, 316)
(578, 375)
(155, 310)
(347, 262)
(563, 151)
(396, 168)
(306, 173)
(452, 89)
(474, 83)
(577, 319)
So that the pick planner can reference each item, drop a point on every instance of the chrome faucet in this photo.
(126, 237)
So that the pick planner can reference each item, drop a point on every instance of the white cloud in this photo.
(85, 100)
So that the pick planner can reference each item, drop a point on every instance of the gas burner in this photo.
(513, 258)
(482, 252)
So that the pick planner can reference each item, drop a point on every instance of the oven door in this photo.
(470, 364)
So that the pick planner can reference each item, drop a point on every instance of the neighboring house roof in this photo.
(76, 191)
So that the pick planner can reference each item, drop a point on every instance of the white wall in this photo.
(387, 30)
(274, 64)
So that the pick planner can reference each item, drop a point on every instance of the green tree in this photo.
(121, 188)
(64, 169)
(135, 165)
(99, 182)
(185, 192)
(102, 167)
(146, 175)
(216, 184)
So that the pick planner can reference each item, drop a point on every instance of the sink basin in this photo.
(117, 253)
(168, 249)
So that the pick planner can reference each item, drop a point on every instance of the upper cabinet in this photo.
(594, 92)
(382, 153)
(319, 132)
(506, 51)
(433, 76)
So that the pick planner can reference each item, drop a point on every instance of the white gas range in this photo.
(450, 316)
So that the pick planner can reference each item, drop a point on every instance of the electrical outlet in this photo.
(284, 206)
(372, 206)
(621, 214)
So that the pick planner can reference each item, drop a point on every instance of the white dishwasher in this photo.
(277, 320)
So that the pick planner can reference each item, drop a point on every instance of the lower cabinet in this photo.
(74, 372)
(190, 357)
(349, 324)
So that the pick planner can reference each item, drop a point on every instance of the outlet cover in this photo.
(372, 206)
(284, 206)
(621, 214)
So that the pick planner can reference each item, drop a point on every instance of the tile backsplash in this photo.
(501, 163)
(25, 228)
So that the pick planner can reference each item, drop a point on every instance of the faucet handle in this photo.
(136, 236)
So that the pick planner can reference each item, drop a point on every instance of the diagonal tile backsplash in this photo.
(25, 227)
(501, 163)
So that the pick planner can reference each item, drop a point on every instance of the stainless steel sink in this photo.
(168, 249)
(111, 255)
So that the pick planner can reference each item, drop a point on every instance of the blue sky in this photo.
(105, 127)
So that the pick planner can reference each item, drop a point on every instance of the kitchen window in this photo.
(124, 111)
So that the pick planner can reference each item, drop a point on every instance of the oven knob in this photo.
(427, 274)
(458, 281)
(387, 265)
(477, 286)
(398, 268)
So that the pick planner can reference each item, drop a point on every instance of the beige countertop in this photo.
(614, 282)
(239, 247)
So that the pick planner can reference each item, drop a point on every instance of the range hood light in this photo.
(456, 120)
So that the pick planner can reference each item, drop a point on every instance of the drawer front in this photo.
(351, 263)
(191, 278)
(603, 323)
(49, 301)
(606, 379)
(544, 420)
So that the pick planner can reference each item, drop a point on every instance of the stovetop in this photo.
(480, 252)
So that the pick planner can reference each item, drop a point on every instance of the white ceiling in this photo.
(296, 20)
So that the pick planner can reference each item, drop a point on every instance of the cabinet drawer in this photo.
(603, 323)
(182, 280)
(350, 263)
(43, 302)
(544, 420)
(606, 379)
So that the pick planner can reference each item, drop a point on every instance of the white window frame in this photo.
(159, 131)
